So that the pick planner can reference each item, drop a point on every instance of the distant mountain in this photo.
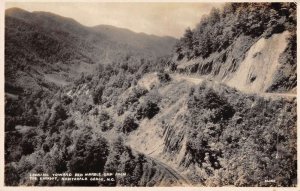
(155, 44)
(52, 48)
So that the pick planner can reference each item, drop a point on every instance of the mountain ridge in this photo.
(129, 30)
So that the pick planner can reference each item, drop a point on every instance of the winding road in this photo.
(199, 80)
(180, 179)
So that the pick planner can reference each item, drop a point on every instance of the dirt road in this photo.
(182, 180)
(180, 77)
(199, 80)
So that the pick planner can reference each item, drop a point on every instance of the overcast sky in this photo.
(152, 18)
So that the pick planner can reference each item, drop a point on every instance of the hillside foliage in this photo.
(240, 140)
(220, 28)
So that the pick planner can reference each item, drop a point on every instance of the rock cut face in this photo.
(256, 72)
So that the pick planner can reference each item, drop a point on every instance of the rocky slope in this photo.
(257, 71)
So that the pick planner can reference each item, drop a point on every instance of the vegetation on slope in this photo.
(219, 29)
(217, 136)
(46, 135)
(240, 140)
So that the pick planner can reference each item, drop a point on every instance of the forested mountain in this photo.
(51, 48)
(159, 46)
(85, 99)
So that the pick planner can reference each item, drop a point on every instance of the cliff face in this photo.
(218, 65)
(256, 72)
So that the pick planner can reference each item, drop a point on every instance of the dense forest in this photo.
(218, 30)
(136, 113)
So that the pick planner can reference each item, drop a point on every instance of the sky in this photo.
(162, 19)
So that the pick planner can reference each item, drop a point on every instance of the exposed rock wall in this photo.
(256, 72)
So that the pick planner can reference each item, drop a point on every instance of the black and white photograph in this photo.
(150, 94)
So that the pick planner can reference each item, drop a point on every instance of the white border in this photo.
(2, 188)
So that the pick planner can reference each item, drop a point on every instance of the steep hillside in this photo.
(80, 129)
(212, 134)
(199, 129)
(250, 46)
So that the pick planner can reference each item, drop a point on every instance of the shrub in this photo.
(147, 109)
(12, 177)
(97, 94)
(129, 124)
(163, 77)
(90, 154)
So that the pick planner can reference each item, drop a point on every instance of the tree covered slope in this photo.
(219, 45)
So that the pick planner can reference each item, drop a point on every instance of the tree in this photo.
(188, 42)
(90, 154)
(215, 15)
(12, 177)
(163, 77)
(97, 94)
(58, 113)
(129, 124)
